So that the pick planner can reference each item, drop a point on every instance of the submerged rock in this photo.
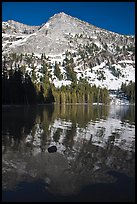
(52, 149)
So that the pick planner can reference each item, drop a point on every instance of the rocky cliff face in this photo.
(13, 27)
(63, 32)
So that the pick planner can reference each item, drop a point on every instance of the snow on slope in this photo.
(111, 82)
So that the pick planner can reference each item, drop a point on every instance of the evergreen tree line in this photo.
(17, 90)
(18, 87)
(129, 90)
(82, 92)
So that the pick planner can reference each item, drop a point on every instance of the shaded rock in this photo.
(52, 149)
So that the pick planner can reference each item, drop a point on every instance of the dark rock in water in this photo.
(52, 149)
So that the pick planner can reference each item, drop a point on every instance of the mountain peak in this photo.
(61, 14)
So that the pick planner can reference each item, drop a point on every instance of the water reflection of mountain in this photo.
(90, 140)
(123, 113)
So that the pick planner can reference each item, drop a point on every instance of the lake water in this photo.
(94, 161)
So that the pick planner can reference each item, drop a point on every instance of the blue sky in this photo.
(114, 16)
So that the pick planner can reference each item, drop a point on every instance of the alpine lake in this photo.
(94, 159)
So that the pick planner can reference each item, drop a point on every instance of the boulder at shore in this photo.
(52, 149)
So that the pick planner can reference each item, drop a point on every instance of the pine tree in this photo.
(57, 71)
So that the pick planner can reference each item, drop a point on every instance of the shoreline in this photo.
(52, 104)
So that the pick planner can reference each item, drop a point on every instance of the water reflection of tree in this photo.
(82, 114)
(129, 115)
(70, 134)
(79, 115)
(17, 123)
(45, 117)
(56, 135)
(22, 121)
